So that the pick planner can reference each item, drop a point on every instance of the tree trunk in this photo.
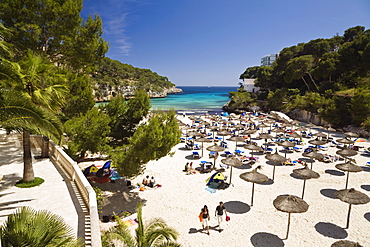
(45, 147)
(308, 87)
(28, 174)
(309, 74)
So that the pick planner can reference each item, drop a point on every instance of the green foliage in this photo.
(240, 100)
(150, 141)
(55, 29)
(126, 115)
(36, 182)
(250, 73)
(366, 124)
(360, 106)
(279, 99)
(80, 97)
(28, 227)
(88, 132)
(154, 233)
(113, 74)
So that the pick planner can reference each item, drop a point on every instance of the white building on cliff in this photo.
(249, 86)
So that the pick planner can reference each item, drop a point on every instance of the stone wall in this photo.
(308, 117)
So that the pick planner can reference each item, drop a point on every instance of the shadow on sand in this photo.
(119, 197)
(328, 193)
(331, 230)
(367, 216)
(334, 172)
(237, 207)
(265, 239)
(366, 187)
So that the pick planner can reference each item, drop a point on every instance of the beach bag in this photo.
(201, 217)
(227, 218)
(142, 189)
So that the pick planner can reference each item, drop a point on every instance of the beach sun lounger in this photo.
(196, 155)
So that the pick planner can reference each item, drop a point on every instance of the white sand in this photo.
(182, 196)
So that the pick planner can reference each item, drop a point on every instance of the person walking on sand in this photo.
(205, 218)
(220, 209)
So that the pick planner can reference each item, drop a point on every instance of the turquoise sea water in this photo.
(195, 99)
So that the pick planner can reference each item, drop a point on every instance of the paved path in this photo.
(54, 194)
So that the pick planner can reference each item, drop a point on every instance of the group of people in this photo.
(205, 217)
(150, 182)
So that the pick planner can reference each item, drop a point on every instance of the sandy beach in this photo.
(181, 197)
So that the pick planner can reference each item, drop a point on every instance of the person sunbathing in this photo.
(146, 181)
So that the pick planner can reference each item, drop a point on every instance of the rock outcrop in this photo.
(308, 117)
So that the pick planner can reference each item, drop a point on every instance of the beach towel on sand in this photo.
(211, 190)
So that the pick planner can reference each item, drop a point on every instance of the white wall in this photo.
(249, 85)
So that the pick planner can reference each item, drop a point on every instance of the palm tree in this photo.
(155, 233)
(18, 112)
(32, 82)
(28, 227)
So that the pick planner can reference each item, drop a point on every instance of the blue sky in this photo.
(212, 42)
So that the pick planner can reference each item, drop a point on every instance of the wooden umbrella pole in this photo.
(349, 213)
(311, 163)
(273, 172)
(347, 180)
(252, 194)
(231, 173)
(304, 185)
(287, 230)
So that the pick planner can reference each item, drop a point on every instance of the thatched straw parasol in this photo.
(223, 133)
(313, 155)
(233, 162)
(290, 204)
(286, 144)
(346, 152)
(254, 177)
(351, 196)
(295, 135)
(215, 148)
(345, 243)
(316, 142)
(213, 128)
(237, 139)
(194, 133)
(265, 136)
(305, 173)
(252, 147)
(345, 141)
(203, 140)
(262, 125)
(348, 167)
(276, 158)
(319, 134)
(351, 134)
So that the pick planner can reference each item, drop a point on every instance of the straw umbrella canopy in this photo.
(215, 148)
(305, 173)
(290, 204)
(233, 162)
(252, 148)
(301, 128)
(351, 196)
(348, 167)
(249, 132)
(262, 125)
(277, 130)
(351, 134)
(254, 177)
(275, 157)
(223, 133)
(265, 136)
(213, 128)
(345, 243)
(202, 139)
(295, 135)
(346, 152)
(319, 134)
(313, 155)
(237, 139)
(287, 144)
(194, 133)
(345, 141)
(317, 142)
(270, 122)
